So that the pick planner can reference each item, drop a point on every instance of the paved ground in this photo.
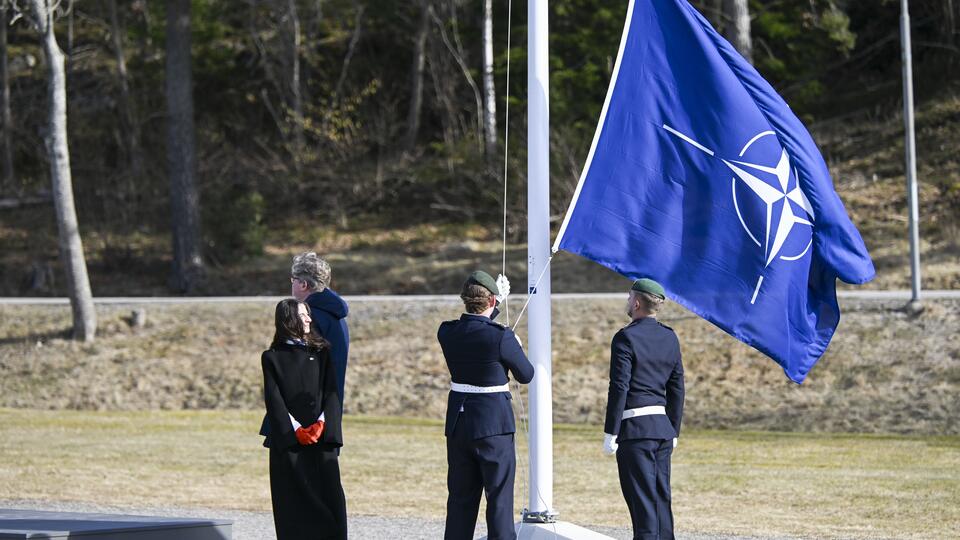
(259, 525)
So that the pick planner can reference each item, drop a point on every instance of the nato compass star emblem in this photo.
(777, 185)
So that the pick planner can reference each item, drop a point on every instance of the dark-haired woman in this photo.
(303, 413)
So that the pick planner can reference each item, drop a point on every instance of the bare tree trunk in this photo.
(318, 17)
(457, 54)
(312, 33)
(69, 51)
(351, 49)
(949, 23)
(142, 9)
(416, 77)
(6, 119)
(489, 88)
(181, 150)
(131, 127)
(296, 93)
(713, 11)
(737, 26)
(344, 68)
(71, 246)
(448, 121)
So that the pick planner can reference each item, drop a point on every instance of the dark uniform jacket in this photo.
(479, 352)
(302, 382)
(645, 369)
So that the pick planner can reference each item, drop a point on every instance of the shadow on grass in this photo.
(34, 337)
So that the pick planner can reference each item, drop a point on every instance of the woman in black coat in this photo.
(303, 416)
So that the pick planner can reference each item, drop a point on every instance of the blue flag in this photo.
(702, 178)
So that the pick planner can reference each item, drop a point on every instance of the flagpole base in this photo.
(546, 516)
(558, 530)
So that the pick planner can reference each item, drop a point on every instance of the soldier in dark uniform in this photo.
(480, 448)
(644, 408)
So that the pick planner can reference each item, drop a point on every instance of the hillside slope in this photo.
(884, 371)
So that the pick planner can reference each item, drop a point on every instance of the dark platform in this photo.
(34, 524)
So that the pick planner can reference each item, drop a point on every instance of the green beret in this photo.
(648, 286)
(484, 280)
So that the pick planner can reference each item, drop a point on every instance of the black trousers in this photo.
(475, 466)
(644, 466)
(308, 500)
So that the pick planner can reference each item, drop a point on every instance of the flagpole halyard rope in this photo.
(503, 260)
(524, 421)
(530, 294)
(506, 154)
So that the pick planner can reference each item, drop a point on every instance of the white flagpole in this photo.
(910, 146)
(539, 518)
(540, 506)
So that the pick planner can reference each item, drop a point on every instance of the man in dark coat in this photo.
(479, 428)
(310, 283)
(329, 312)
(644, 409)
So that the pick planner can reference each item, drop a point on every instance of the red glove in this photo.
(310, 434)
(316, 430)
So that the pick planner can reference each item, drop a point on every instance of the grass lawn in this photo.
(813, 485)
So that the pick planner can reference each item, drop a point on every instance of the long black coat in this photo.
(305, 488)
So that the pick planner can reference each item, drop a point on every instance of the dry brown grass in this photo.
(866, 158)
(884, 372)
(724, 482)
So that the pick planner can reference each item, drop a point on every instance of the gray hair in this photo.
(312, 269)
(650, 303)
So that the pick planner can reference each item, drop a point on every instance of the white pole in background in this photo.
(540, 506)
(910, 145)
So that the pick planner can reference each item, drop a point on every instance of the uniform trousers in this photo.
(475, 466)
(644, 467)
(308, 500)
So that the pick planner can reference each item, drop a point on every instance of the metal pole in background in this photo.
(540, 505)
(911, 154)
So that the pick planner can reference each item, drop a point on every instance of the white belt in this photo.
(471, 389)
(643, 411)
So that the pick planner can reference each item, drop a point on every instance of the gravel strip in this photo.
(259, 525)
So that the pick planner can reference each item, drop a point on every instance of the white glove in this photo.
(503, 284)
(675, 442)
(609, 444)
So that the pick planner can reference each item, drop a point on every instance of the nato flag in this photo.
(701, 178)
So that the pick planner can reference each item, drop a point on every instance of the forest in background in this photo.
(332, 123)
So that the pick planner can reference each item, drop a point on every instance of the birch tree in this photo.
(181, 150)
(41, 15)
(6, 118)
(489, 88)
(736, 27)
